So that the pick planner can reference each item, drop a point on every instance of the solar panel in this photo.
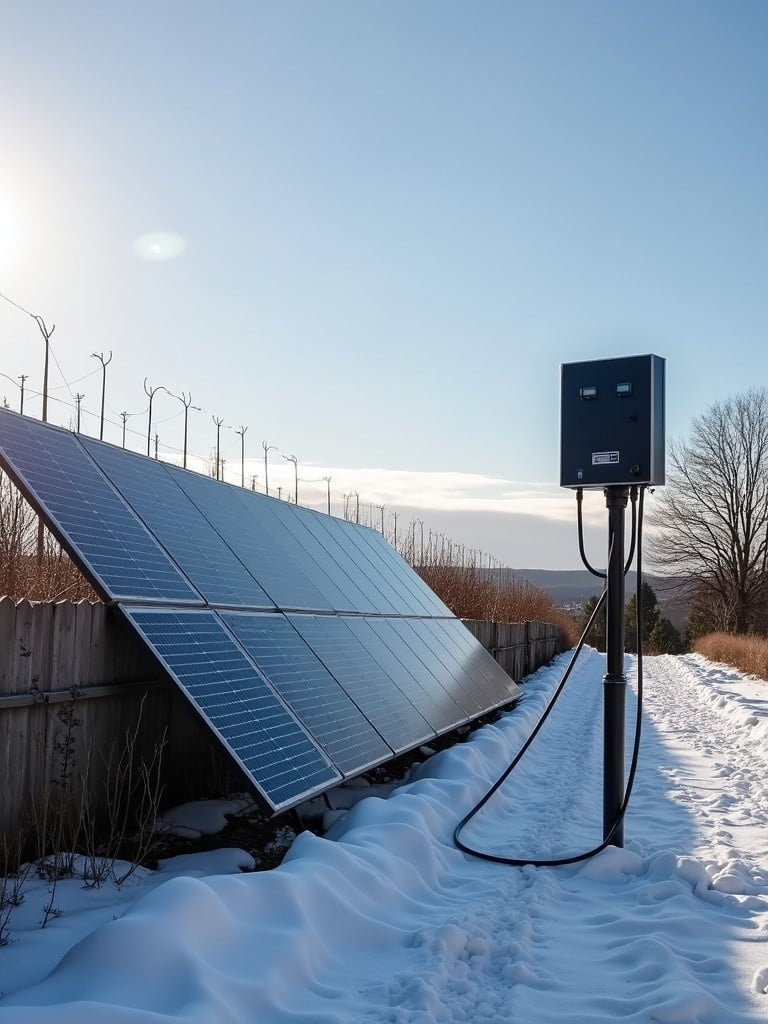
(409, 675)
(492, 681)
(238, 703)
(246, 531)
(403, 580)
(319, 534)
(339, 591)
(86, 514)
(311, 691)
(310, 647)
(151, 490)
(337, 643)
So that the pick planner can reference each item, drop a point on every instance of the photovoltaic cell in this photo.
(238, 703)
(336, 640)
(91, 520)
(150, 489)
(314, 695)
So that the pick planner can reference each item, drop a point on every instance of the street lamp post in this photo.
(328, 483)
(218, 421)
(241, 431)
(186, 401)
(267, 449)
(295, 461)
(150, 392)
(104, 363)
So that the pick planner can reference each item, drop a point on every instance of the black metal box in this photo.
(612, 422)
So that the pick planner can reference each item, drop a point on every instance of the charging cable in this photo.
(636, 541)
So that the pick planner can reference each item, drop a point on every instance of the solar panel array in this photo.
(307, 644)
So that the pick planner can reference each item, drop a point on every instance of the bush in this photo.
(749, 654)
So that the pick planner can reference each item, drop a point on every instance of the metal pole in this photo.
(218, 421)
(241, 432)
(22, 378)
(150, 392)
(267, 449)
(104, 363)
(125, 416)
(328, 482)
(614, 681)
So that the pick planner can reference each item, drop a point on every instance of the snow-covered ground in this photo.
(387, 921)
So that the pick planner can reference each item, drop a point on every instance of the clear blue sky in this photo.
(398, 220)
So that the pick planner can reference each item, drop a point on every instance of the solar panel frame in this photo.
(201, 640)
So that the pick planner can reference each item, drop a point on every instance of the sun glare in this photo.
(159, 245)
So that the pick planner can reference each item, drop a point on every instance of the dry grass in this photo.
(480, 594)
(748, 654)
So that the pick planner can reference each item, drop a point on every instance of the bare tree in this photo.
(711, 521)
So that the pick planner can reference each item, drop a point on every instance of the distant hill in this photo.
(571, 588)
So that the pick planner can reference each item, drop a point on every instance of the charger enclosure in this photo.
(612, 422)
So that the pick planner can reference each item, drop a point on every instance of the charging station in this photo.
(612, 437)
(612, 422)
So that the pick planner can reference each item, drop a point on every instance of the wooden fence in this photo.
(519, 647)
(80, 663)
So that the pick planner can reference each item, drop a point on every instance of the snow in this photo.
(385, 920)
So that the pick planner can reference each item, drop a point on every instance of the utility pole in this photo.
(47, 336)
(124, 416)
(150, 392)
(22, 378)
(241, 432)
(157, 442)
(328, 482)
(267, 449)
(357, 507)
(394, 540)
(78, 400)
(104, 363)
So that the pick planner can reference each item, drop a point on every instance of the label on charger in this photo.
(604, 458)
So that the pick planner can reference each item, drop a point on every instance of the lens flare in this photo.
(159, 245)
